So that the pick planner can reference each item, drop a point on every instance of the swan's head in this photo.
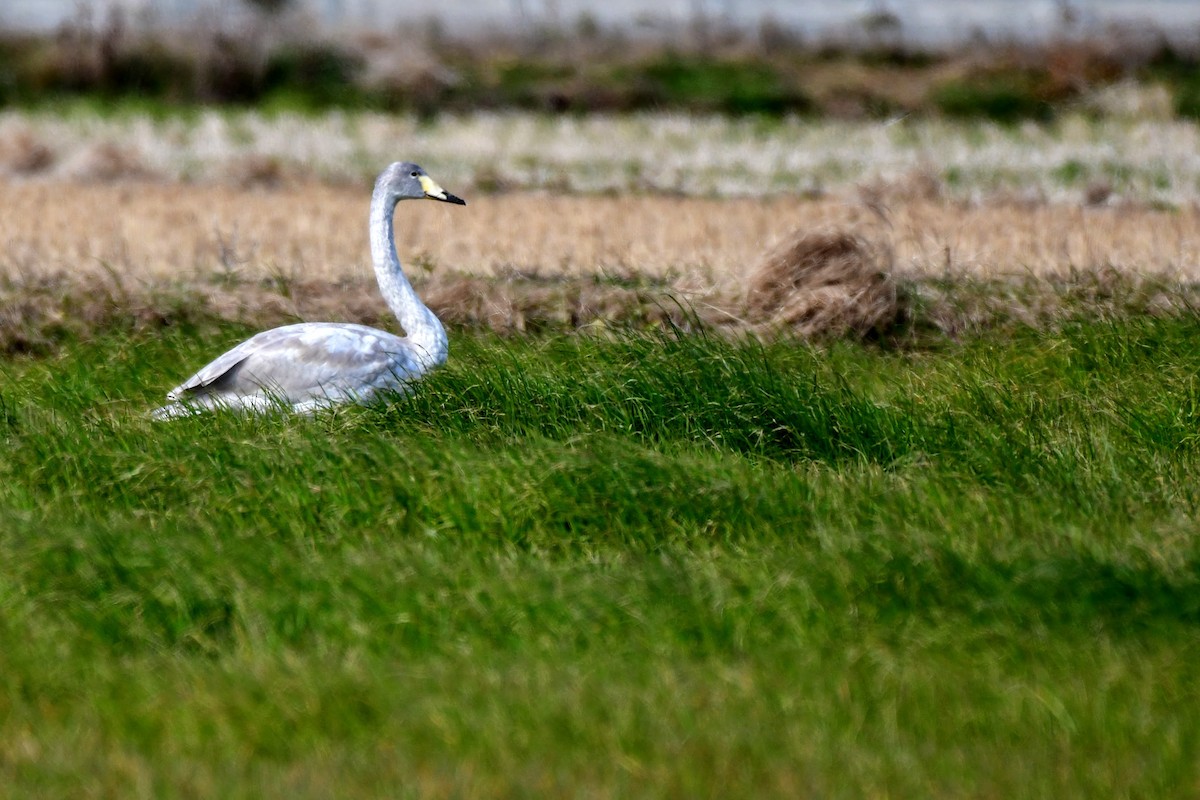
(406, 181)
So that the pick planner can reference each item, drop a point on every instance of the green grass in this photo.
(773, 77)
(642, 566)
(1005, 96)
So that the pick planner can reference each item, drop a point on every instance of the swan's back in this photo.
(303, 366)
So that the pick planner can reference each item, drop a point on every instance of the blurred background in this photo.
(1003, 59)
(994, 102)
(924, 21)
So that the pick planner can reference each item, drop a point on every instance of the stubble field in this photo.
(906, 510)
(81, 255)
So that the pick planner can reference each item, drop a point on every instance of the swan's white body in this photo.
(312, 365)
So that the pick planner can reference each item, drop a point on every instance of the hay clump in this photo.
(107, 162)
(22, 152)
(825, 284)
(531, 302)
(259, 171)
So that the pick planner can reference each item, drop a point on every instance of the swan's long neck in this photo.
(423, 328)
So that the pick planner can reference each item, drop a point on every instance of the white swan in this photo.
(312, 365)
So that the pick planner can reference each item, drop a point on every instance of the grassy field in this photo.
(623, 565)
(906, 509)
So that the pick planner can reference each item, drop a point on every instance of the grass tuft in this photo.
(828, 284)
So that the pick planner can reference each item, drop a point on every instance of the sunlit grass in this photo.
(612, 566)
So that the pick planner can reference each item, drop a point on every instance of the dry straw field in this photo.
(516, 261)
(261, 220)
(1125, 145)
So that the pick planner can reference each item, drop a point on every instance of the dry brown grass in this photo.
(23, 152)
(825, 283)
(151, 231)
(516, 262)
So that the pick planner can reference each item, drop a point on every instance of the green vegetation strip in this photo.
(765, 75)
(634, 566)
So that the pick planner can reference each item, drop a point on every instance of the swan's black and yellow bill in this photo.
(435, 192)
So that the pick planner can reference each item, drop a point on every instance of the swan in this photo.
(313, 365)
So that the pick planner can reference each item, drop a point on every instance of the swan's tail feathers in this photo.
(245, 404)
(175, 411)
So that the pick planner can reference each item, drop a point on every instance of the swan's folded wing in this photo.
(297, 362)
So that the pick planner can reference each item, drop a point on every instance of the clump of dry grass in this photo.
(526, 303)
(830, 283)
(22, 152)
(38, 311)
(106, 162)
(962, 306)
(256, 170)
